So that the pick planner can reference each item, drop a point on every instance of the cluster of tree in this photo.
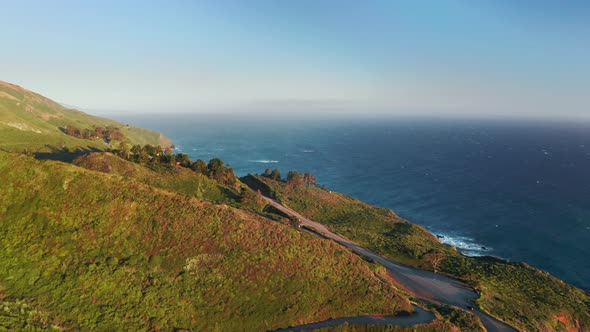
(301, 179)
(107, 134)
(293, 178)
(219, 172)
(157, 158)
(274, 174)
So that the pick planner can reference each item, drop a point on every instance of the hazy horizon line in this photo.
(306, 108)
(342, 114)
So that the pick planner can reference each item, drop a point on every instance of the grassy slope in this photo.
(31, 121)
(376, 228)
(84, 250)
(189, 183)
(179, 179)
(517, 293)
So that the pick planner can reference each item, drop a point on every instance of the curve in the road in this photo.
(421, 284)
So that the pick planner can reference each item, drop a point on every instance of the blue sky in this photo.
(529, 58)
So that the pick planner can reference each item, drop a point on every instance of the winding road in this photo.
(420, 284)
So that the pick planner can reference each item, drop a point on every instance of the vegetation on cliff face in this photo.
(159, 159)
(377, 229)
(170, 177)
(517, 293)
(84, 249)
(107, 134)
(29, 121)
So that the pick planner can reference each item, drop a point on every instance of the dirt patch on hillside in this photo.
(21, 126)
(7, 96)
(47, 116)
(569, 326)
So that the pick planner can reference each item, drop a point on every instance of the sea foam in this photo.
(264, 161)
(466, 245)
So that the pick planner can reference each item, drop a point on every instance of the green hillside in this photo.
(177, 179)
(35, 123)
(527, 298)
(190, 183)
(376, 228)
(88, 250)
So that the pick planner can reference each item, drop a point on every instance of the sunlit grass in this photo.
(88, 250)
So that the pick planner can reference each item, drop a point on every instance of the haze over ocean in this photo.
(516, 190)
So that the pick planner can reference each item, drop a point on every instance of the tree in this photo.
(276, 174)
(199, 166)
(229, 177)
(98, 132)
(125, 149)
(295, 179)
(168, 159)
(216, 169)
(153, 151)
(221, 173)
(139, 154)
(183, 159)
(434, 257)
(73, 131)
(309, 179)
(143, 157)
(87, 134)
(267, 173)
(135, 148)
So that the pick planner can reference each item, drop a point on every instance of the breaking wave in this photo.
(466, 245)
(264, 161)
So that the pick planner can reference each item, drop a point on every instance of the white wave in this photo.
(307, 151)
(466, 245)
(264, 161)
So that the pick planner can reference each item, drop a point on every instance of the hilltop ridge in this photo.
(38, 124)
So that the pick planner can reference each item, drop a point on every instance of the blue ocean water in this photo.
(521, 190)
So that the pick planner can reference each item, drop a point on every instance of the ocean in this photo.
(515, 190)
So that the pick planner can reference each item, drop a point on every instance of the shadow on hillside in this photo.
(64, 155)
(255, 184)
(228, 193)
